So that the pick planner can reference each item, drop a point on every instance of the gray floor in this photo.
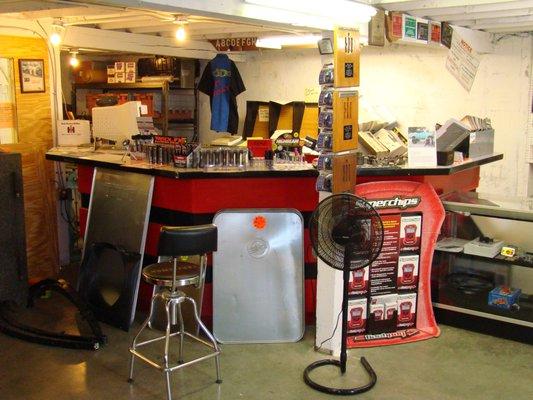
(458, 365)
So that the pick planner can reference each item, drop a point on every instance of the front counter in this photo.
(190, 197)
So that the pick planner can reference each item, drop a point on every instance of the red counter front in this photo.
(194, 200)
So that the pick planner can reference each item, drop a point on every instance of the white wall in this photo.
(414, 84)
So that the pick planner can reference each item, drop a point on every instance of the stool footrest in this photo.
(175, 367)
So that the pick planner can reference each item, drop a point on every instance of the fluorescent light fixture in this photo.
(344, 13)
(277, 42)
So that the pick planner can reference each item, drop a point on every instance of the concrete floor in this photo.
(458, 365)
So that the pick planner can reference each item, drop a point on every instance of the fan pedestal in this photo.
(343, 358)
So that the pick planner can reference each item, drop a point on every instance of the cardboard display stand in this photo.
(391, 302)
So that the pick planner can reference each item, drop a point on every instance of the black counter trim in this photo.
(171, 217)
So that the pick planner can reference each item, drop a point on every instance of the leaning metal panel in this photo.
(258, 276)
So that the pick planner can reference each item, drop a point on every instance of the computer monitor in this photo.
(116, 122)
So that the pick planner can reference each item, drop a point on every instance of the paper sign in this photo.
(73, 132)
(312, 94)
(421, 148)
(263, 114)
(463, 61)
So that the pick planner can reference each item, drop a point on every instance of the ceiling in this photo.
(496, 16)
(139, 20)
(160, 17)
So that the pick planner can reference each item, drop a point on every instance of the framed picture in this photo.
(31, 73)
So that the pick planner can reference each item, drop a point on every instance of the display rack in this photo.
(466, 304)
(164, 122)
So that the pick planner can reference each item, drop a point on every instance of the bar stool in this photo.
(175, 242)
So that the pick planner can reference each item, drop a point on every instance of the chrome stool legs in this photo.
(172, 308)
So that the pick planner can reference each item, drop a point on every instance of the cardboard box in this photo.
(130, 66)
(376, 29)
(357, 314)
(410, 232)
(391, 142)
(394, 25)
(358, 284)
(407, 278)
(422, 30)
(130, 76)
(372, 145)
(434, 32)
(406, 310)
(504, 297)
(409, 28)
(120, 67)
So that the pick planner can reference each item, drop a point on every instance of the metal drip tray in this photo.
(258, 276)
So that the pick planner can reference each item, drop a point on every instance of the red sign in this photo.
(235, 44)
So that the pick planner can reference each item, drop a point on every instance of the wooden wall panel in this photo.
(34, 120)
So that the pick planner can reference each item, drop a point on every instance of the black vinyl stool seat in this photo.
(175, 242)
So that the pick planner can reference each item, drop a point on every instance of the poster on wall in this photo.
(462, 61)
(8, 124)
(31, 76)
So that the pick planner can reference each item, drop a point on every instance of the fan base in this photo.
(339, 391)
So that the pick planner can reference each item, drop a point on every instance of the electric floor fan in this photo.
(347, 234)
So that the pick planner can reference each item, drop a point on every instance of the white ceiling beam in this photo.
(228, 10)
(223, 28)
(170, 26)
(218, 33)
(67, 12)
(484, 23)
(503, 25)
(486, 14)
(133, 23)
(12, 6)
(105, 19)
(99, 39)
(410, 5)
(514, 29)
(498, 7)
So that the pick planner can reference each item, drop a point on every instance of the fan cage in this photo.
(353, 215)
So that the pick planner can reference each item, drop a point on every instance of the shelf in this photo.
(364, 170)
(454, 300)
(136, 85)
(108, 86)
(499, 259)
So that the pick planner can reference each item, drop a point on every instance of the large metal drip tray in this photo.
(258, 276)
